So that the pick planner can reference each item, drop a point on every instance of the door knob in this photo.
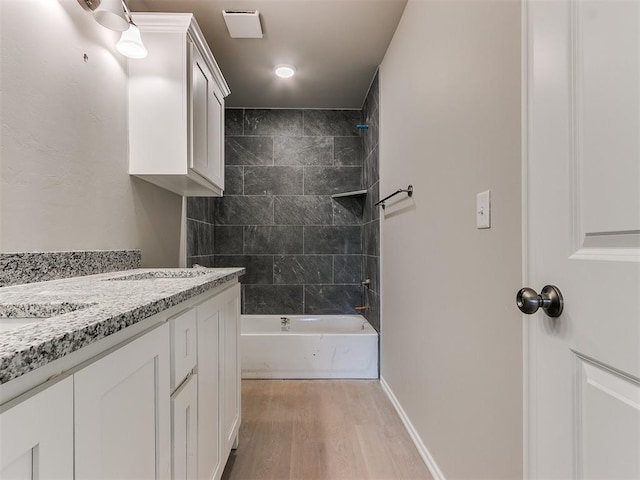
(550, 299)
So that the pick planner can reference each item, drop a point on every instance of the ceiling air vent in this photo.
(243, 23)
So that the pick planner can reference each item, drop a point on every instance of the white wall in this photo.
(64, 140)
(451, 333)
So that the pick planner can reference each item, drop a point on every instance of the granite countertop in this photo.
(83, 310)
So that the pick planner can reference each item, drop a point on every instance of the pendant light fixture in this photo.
(130, 43)
(110, 14)
(115, 15)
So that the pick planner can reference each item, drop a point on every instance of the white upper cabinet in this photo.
(176, 108)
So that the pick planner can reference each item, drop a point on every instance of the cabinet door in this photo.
(122, 412)
(207, 121)
(230, 371)
(200, 80)
(215, 114)
(184, 431)
(209, 463)
(36, 435)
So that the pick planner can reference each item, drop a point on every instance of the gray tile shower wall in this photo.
(304, 251)
(371, 213)
(200, 231)
(301, 248)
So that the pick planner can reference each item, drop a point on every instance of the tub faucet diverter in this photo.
(285, 323)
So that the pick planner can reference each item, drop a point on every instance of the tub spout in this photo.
(363, 307)
(285, 324)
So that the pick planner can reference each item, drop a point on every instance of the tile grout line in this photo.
(333, 269)
(273, 150)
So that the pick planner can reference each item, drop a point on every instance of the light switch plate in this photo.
(483, 210)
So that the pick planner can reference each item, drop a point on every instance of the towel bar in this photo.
(408, 191)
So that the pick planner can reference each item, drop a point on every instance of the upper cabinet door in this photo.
(207, 121)
(215, 114)
(200, 80)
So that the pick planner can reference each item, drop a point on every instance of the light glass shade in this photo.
(110, 14)
(130, 43)
(284, 71)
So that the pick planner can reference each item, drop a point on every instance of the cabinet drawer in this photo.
(183, 346)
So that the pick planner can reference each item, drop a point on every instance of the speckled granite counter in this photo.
(27, 267)
(86, 309)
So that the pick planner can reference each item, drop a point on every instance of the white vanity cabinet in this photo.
(176, 108)
(122, 419)
(36, 434)
(162, 402)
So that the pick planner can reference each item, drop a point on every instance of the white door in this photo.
(583, 231)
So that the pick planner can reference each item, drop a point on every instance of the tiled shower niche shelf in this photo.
(353, 194)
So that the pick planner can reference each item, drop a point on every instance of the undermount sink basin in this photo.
(11, 323)
(14, 316)
(162, 274)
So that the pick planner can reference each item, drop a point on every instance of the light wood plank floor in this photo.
(321, 429)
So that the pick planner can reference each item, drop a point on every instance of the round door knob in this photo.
(550, 300)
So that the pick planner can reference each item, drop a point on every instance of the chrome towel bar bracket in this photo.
(408, 191)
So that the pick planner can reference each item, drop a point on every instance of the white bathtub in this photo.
(316, 346)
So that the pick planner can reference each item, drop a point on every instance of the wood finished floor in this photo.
(321, 429)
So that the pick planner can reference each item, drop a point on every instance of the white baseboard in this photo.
(436, 473)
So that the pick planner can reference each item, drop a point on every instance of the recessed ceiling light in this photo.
(284, 71)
